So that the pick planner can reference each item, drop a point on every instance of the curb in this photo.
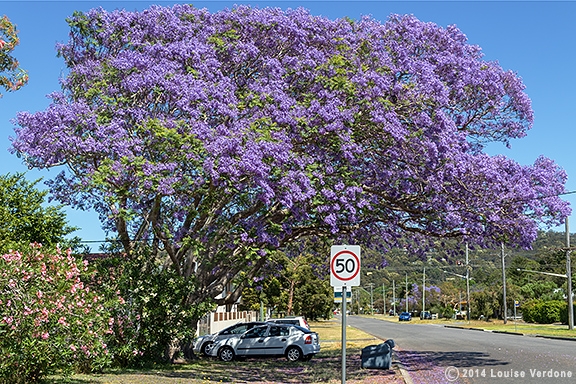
(556, 337)
(405, 375)
(509, 333)
(513, 333)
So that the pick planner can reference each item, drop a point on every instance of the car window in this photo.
(239, 329)
(256, 332)
(274, 331)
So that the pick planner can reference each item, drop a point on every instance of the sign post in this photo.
(344, 273)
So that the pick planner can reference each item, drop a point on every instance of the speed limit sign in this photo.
(345, 265)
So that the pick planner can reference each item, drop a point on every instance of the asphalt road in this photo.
(432, 353)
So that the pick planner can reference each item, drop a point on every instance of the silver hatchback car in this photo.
(292, 341)
(203, 344)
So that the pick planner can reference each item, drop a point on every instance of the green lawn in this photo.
(324, 368)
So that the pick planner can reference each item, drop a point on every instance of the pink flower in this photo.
(45, 335)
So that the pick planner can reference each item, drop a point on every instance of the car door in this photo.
(252, 342)
(276, 340)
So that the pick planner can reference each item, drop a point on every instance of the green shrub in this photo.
(564, 313)
(155, 311)
(50, 321)
(542, 312)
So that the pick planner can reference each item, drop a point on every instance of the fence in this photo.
(216, 321)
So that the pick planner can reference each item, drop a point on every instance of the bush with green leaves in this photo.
(564, 313)
(153, 313)
(50, 320)
(542, 312)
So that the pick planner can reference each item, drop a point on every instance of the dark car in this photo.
(405, 316)
(425, 315)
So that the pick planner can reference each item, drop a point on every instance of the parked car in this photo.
(203, 344)
(294, 320)
(425, 315)
(292, 341)
(405, 316)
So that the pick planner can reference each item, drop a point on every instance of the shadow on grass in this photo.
(322, 368)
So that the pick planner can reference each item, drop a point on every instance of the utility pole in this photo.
(406, 298)
(384, 299)
(371, 298)
(569, 276)
(467, 285)
(504, 282)
(394, 296)
(424, 290)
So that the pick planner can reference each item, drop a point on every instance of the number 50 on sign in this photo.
(345, 265)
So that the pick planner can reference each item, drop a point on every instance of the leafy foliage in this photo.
(222, 137)
(12, 77)
(50, 321)
(153, 310)
(25, 219)
(292, 285)
(543, 312)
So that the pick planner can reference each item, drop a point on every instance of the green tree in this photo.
(293, 284)
(12, 77)
(25, 219)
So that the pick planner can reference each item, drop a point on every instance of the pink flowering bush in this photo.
(50, 321)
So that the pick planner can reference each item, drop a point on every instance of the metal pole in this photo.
(406, 299)
(569, 276)
(383, 300)
(344, 334)
(467, 285)
(515, 326)
(371, 298)
(394, 296)
(424, 290)
(504, 283)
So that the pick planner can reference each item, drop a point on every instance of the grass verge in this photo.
(325, 367)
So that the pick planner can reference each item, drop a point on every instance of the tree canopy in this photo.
(24, 218)
(217, 137)
(12, 77)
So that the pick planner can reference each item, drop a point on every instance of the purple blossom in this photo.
(230, 134)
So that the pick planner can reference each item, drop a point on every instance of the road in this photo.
(433, 353)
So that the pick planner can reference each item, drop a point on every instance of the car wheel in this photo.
(206, 348)
(226, 354)
(293, 354)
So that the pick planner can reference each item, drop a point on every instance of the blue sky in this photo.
(536, 39)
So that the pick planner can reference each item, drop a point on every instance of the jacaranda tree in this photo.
(217, 137)
(12, 77)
